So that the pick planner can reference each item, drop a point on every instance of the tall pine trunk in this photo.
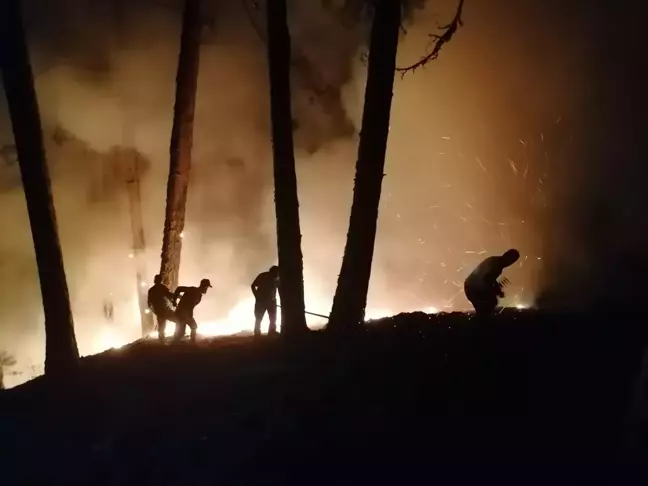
(350, 298)
(291, 274)
(181, 142)
(61, 352)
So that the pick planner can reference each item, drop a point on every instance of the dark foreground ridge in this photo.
(414, 399)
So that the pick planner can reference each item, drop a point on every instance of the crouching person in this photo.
(482, 288)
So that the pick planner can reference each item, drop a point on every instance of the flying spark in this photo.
(513, 166)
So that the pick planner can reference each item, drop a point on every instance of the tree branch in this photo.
(438, 41)
(249, 11)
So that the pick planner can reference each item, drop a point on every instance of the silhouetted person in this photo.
(160, 301)
(264, 289)
(109, 310)
(191, 297)
(482, 288)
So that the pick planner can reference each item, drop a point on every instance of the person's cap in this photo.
(205, 283)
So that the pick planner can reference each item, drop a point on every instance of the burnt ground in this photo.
(532, 399)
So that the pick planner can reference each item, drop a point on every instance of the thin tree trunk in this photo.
(291, 274)
(139, 240)
(181, 142)
(61, 352)
(353, 283)
(134, 172)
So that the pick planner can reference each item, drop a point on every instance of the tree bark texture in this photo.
(181, 142)
(61, 352)
(350, 298)
(291, 274)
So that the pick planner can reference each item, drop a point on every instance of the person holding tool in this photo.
(482, 288)
(265, 288)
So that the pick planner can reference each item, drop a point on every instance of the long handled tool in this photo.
(312, 313)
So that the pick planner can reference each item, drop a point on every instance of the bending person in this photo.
(191, 297)
(482, 288)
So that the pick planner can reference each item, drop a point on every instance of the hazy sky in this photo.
(526, 132)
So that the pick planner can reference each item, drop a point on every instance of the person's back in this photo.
(485, 275)
(159, 298)
(191, 297)
(160, 301)
(266, 286)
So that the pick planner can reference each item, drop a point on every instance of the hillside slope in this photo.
(414, 398)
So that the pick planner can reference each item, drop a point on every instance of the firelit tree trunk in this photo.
(353, 283)
(291, 275)
(181, 142)
(61, 352)
(133, 167)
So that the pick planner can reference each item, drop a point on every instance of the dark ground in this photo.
(416, 399)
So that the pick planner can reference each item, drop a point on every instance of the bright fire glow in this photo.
(240, 320)
(109, 338)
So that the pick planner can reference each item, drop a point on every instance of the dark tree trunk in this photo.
(181, 142)
(291, 275)
(353, 283)
(61, 352)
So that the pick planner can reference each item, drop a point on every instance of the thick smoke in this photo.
(488, 150)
